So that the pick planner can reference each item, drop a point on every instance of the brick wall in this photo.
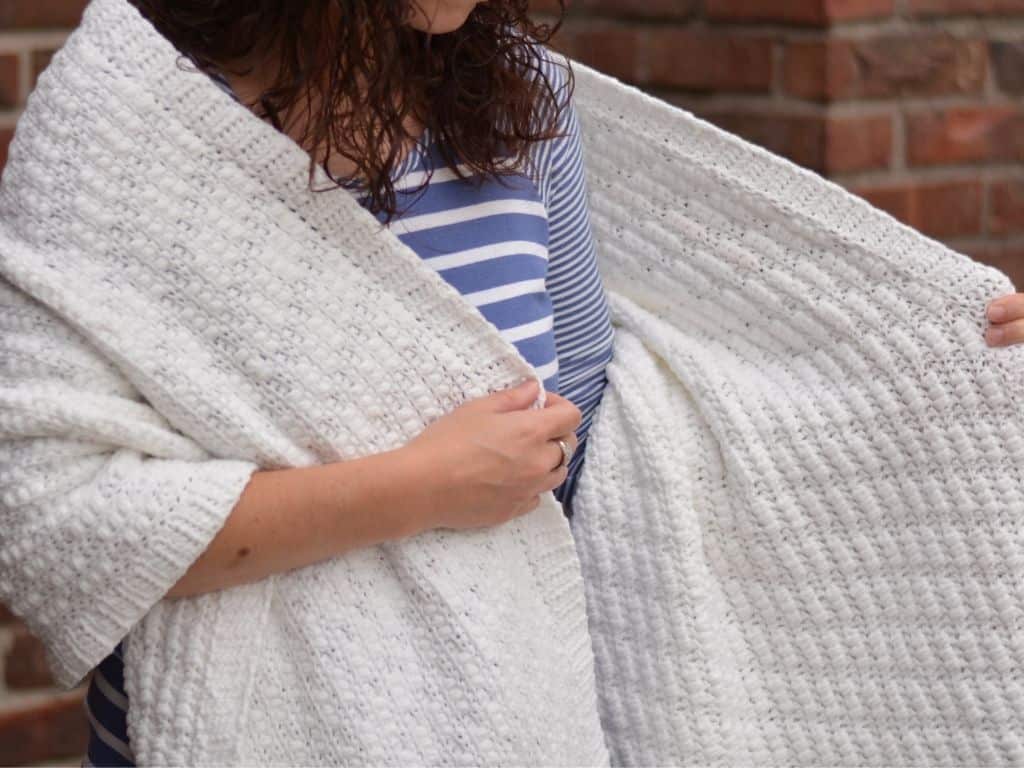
(916, 104)
(39, 724)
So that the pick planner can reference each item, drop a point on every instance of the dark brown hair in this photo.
(480, 89)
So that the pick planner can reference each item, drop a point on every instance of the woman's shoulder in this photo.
(554, 157)
(554, 67)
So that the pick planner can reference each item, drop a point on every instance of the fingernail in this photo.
(996, 312)
(994, 335)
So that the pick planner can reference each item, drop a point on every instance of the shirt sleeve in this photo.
(582, 327)
(103, 504)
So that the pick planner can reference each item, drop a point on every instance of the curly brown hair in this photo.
(359, 70)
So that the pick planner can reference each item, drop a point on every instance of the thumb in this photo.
(513, 398)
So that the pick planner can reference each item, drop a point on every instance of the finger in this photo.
(1006, 333)
(555, 400)
(550, 422)
(1006, 308)
(571, 439)
(551, 480)
(554, 450)
(515, 398)
(524, 507)
(554, 397)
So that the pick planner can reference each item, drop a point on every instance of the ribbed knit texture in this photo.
(178, 310)
(801, 518)
(476, 248)
(797, 531)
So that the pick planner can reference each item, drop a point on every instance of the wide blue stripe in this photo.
(518, 310)
(445, 195)
(475, 233)
(494, 272)
(539, 350)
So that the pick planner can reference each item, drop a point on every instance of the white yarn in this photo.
(797, 532)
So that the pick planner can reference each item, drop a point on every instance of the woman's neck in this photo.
(260, 74)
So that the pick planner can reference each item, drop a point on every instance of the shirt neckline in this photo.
(420, 147)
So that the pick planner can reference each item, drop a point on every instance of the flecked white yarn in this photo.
(797, 534)
(801, 517)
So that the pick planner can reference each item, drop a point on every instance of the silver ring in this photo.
(566, 453)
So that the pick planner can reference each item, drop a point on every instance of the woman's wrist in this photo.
(413, 483)
(290, 518)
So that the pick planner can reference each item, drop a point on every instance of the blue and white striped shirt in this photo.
(521, 252)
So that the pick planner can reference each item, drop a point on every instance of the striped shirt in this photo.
(521, 252)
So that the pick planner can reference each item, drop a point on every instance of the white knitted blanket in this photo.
(798, 529)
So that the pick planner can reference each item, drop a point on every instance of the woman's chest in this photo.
(487, 238)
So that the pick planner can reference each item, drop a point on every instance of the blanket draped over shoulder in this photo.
(797, 536)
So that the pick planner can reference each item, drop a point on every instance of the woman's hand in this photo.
(490, 459)
(1006, 314)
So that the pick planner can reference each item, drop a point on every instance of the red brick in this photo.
(810, 12)
(1008, 259)
(648, 9)
(40, 60)
(966, 135)
(708, 61)
(545, 6)
(851, 10)
(821, 143)
(943, 209)
(954, 7)
(1008, 65)
(610, 48)
(26, 666)
(810, 66)
(40, 13)
(50, 730)
(884, 67)
(859, 143)
(804, 12)
(801, 138)
(1006, 207)
(9, 80)
(6, 134)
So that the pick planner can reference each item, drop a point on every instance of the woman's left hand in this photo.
(1006, 315)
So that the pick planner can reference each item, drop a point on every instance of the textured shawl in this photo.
(797, 536)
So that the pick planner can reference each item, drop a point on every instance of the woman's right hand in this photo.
(489, 460)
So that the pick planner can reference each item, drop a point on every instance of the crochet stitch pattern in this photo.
(797, 535)
(801, 524)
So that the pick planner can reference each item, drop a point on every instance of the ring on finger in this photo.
(567, 451)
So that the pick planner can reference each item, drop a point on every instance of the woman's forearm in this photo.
(289, 518)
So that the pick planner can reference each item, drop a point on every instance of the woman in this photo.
(436, 84)
(465, 485)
